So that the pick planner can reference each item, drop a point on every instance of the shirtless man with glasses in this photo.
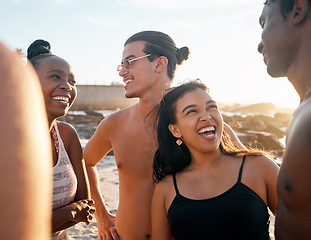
(148, 66)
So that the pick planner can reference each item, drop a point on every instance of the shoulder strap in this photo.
(175, 184)
(241, 169)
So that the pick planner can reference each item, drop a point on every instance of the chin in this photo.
(130, 95)
(61, 113)
(275, 71)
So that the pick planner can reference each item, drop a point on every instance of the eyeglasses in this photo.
(127, 62)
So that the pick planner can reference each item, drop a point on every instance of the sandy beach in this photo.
(108, 175)
(109, 182)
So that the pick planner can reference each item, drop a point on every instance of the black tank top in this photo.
(238, 213)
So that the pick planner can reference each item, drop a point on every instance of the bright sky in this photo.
(222, 36)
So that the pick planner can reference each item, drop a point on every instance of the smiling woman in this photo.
(71, 198)
(216, 179)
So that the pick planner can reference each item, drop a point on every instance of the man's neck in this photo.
(302, 83)
(151, 99)
(299, 71)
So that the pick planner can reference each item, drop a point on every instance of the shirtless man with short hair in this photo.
(286, 47)
(148, 66)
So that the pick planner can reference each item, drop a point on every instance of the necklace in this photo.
(55, 138)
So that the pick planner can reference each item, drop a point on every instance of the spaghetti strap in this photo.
(175, 184)
(241, 169)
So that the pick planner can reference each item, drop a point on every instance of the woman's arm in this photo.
(81, 209)
(159, 224)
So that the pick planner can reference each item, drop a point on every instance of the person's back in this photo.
(286, 49)
(129, 132)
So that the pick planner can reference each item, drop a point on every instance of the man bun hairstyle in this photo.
(37, 50)
(182, 54)
(160, 44)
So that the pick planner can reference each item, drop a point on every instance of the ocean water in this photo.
(105, 113)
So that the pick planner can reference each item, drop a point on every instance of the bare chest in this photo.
(134, 147)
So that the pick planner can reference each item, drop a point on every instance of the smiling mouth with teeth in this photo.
(128, 81)
(210, 129)
(61, 99)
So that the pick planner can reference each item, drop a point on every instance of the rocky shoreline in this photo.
(259, 125)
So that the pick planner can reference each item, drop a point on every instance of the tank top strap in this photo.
(241, 169)
(55, 135)
(175, 184)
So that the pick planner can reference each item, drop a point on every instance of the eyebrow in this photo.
(61, 71)
(193, 105)
(128, 57)
(189, 106)
(56, 70)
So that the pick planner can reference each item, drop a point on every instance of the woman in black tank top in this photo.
(207, 187)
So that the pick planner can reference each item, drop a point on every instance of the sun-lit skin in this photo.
(134, 77)
(25, 159)
(59, 92)
(58, 86)
(275, 39)
(210, 173)
(199, 122)
(287, 52)
(131, 135)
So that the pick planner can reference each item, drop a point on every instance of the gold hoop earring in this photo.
(179, 141)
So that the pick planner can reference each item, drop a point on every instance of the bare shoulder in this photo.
(66, 129)
(262, 163)
(299, 132)
(69, 135)
(116, 118)
(301, 117)
(165, 185)
(101, 142)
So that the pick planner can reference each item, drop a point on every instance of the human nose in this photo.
(206, 116)
(123, 71)
(66, 85)
(260, 47)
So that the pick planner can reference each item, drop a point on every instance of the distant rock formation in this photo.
(259, 125)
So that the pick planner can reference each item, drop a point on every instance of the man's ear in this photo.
(174, 130)
(161, 63)
(300, 11)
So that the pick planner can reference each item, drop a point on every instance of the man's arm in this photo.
(97, 147)
(105, 220)
(234, 138)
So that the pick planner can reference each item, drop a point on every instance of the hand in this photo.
(82, 210)
(106, 227)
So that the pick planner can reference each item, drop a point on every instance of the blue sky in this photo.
(222, 36)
